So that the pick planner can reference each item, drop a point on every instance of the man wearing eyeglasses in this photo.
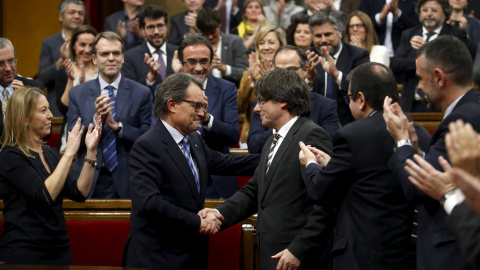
(374, 218)
(9, 78)
(324, 110)
(125, 107)
(432, 15)
(151, 62)
(219, 128)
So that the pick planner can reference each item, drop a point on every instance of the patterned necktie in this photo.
(276, 136)
(4, 100)
(162, 69)
(109, 139)
(186, 152)
(429, 35)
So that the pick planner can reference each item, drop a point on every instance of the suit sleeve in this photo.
(330, 122)
(226, 129)
(317, 229)
(147, 178)
(245, 92)
(47, 66)
(61, 80)
(239, 58)
(465, 226)
(476, 68)
(362, 57)
(131, 133)
(175, 36)
(258, 134)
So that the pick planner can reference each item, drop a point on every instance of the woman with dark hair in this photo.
(361, 33)
(34, 178)
(462, 20)
(298, 33)
(77, 69)
(253, 20)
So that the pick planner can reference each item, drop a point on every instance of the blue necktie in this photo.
(330, 87)
(109, 140)
(186, 152)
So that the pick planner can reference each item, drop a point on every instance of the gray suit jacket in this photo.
(233, 54)
(286, 218)
(49, 55)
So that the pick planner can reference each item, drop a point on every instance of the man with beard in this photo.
(433, 14)
(151, 62)
(444, 69)
(337, 59)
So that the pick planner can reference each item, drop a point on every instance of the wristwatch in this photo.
(401, 143)
(120, 126)
(92, 162)
(206, 122)
(446, 195)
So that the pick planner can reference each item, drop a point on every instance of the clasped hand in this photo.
(211, 221)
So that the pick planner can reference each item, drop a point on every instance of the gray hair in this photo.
(4, 42)
(174, 87)
(303, 59)
(63, 5)
(326, 16)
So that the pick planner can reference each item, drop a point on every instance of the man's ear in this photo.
(171, 105)
(363, 103)
(438, 77)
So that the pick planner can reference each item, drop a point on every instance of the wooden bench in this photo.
(429, 121)
(98, 230)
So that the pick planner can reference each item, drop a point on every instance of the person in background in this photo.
(77, 69)
(253, 20)
(299, 33)
(360, 33)
(269, 39)
(34, 179)
(465, 22)
(184, 23)
(125, 23)
(280, 12)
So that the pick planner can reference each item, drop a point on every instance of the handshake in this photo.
(211, 221)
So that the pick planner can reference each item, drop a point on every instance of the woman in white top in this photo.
(362, 34)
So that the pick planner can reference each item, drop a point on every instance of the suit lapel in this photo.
(121, 99)
(225, 51)
(177, 157)
(277, 159)
(95, 92)
(202, 175)
(170, 52)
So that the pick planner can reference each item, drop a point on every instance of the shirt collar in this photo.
(104, 84)
(284, 130)
(437, 31)
(450, 108)
(152, 49)
(176, 135)
(337, 54)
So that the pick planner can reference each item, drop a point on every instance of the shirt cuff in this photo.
(453, 200)
(210, 123)
(395, 19)
(228, 70)
(377, 19)
(148, 83)
(311, 162)
(339, 80)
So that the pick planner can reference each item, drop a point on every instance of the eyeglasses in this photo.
(151, 28)
(347, 98)
(193, 62)
(357, 25)
(262, 101)
(198, 106)
(11, 62)
(107, 54)
(433, 10)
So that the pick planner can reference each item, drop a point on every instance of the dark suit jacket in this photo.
(374, 219)
(350, 57)
(324, 114)
(233, 54)
(178, 29)
(234, 19)
(222, 104)
(403, 63)
(476, 67)
(165, 200)
(26, 82)
(433, 240)
(407, 20)
(49, 55)
(463, 223)
(286, 219)
(135, 68)
(111, 23)
(133, 105)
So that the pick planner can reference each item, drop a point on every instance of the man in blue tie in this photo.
(125, 107)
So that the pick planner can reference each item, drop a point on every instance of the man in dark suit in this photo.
(316, 5)
(9, 78)
(71, 13)
(291, 231)
(444, 69)
(373, 212)
(230, 58)
(324, 110)
(337, 59)
(433, 14)
(151, 62)
(125, 107)
(219, 128)
(232, 11)
(476, 67)
(184, 23)
(126, 23)
(169, 168)
(390, 18)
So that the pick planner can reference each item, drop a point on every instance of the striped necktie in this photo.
(186, 152)
(4, 100)
(109, 139)
(162, 69)
(276, 136)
